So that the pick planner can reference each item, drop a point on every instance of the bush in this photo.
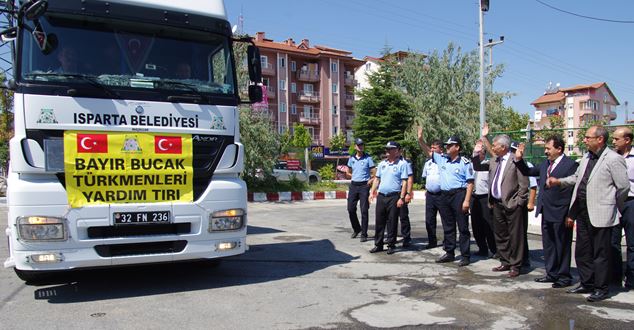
(327, 172)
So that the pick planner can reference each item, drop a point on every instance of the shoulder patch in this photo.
(466, 160)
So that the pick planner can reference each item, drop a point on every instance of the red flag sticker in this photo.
(92, 143)
(168, 145)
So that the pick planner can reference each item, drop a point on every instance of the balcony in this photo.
(308, 96)
(309, 118)
(349, 121)
(268, 69)
(349, 80)
(349, 99)
(270, 92)
(307, 75)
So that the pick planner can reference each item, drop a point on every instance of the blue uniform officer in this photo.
(456, 185)
(431, 173)
(361, 170)
(390, 185)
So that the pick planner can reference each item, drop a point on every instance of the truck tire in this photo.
(312, 179)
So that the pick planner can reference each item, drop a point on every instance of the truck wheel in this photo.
(312, 179)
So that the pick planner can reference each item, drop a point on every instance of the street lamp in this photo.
(490, 47)
(484, 6)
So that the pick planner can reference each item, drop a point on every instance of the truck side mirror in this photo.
(255, 93)
(34, 9)
(254, 65)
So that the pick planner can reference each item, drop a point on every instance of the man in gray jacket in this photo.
(600, 189)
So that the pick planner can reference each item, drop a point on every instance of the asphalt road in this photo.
(303, 271)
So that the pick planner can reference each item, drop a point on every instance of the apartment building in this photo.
(311, 85)
(372, 65)
(578, 105)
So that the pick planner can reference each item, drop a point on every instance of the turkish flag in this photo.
(92, 143)
(168, 145)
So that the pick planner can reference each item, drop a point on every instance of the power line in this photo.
(584, 16)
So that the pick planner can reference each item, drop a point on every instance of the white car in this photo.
(282, 172)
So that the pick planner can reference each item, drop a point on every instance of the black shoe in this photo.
(482, 253)
(464, 262)
(446, 258)
(407, 243)
(558, 285)
(430, 246)
(355, 234)
(545, 279)
(363, 239)
(376, 249)
(580, 289)
(598, 295)
(390, 250)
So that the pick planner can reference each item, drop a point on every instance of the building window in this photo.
(308, 111)
(335, 88)
(294, 109)
(368, 66)
(571, 134)
(293, 66)
(282, 107)
(264, 61)
(265, 82)
(282, 129)
(311, 132)
(282, 84)
(334, 109)
(570, 147)
(333, 67)
(308, 89)
(293, 88)
(282, 62)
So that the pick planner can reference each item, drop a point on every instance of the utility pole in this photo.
(490, 47)
(627, 121)
(484, 6)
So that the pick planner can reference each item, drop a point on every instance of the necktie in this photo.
(498, 169)
(550, 168)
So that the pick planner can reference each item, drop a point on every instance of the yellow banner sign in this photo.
(108, 168)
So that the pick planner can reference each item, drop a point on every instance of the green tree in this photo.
(303, 140)
(260, 141)
(443, 88)
(382, 114)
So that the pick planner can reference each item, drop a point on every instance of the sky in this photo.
(541, 45)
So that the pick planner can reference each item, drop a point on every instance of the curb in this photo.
(286, 196)
(295, 196)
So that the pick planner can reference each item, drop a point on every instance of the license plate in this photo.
(126, 218)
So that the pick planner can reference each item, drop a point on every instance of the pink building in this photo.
(313, 86)
(578, 106)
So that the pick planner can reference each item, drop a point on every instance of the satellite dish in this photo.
(234, 29)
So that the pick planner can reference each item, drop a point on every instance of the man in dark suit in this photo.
(600, 190)
(508, 194)
(552, 204)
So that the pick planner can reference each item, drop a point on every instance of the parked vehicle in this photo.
(286, 170)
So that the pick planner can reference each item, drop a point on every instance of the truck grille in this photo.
(120, 250)
(139, 230)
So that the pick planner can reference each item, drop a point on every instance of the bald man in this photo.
(622, 142)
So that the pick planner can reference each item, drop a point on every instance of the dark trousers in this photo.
(359, 192)
(481, 223)
(450, 215)
(432, 207)
(386, 218)
(526, 258)
(557, 243)
(592, 251)
(509, 234)
(626, 224)
(406, 228)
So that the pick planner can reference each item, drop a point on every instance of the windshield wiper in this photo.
(197, 98)
(91, 80)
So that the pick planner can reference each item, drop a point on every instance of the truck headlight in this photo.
(39, 228)
(226, 220)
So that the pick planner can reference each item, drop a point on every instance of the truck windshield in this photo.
(111, 55)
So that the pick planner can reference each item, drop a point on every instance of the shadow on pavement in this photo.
(255, 230)
(263, 263)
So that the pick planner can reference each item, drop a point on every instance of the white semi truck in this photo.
(127, 146)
